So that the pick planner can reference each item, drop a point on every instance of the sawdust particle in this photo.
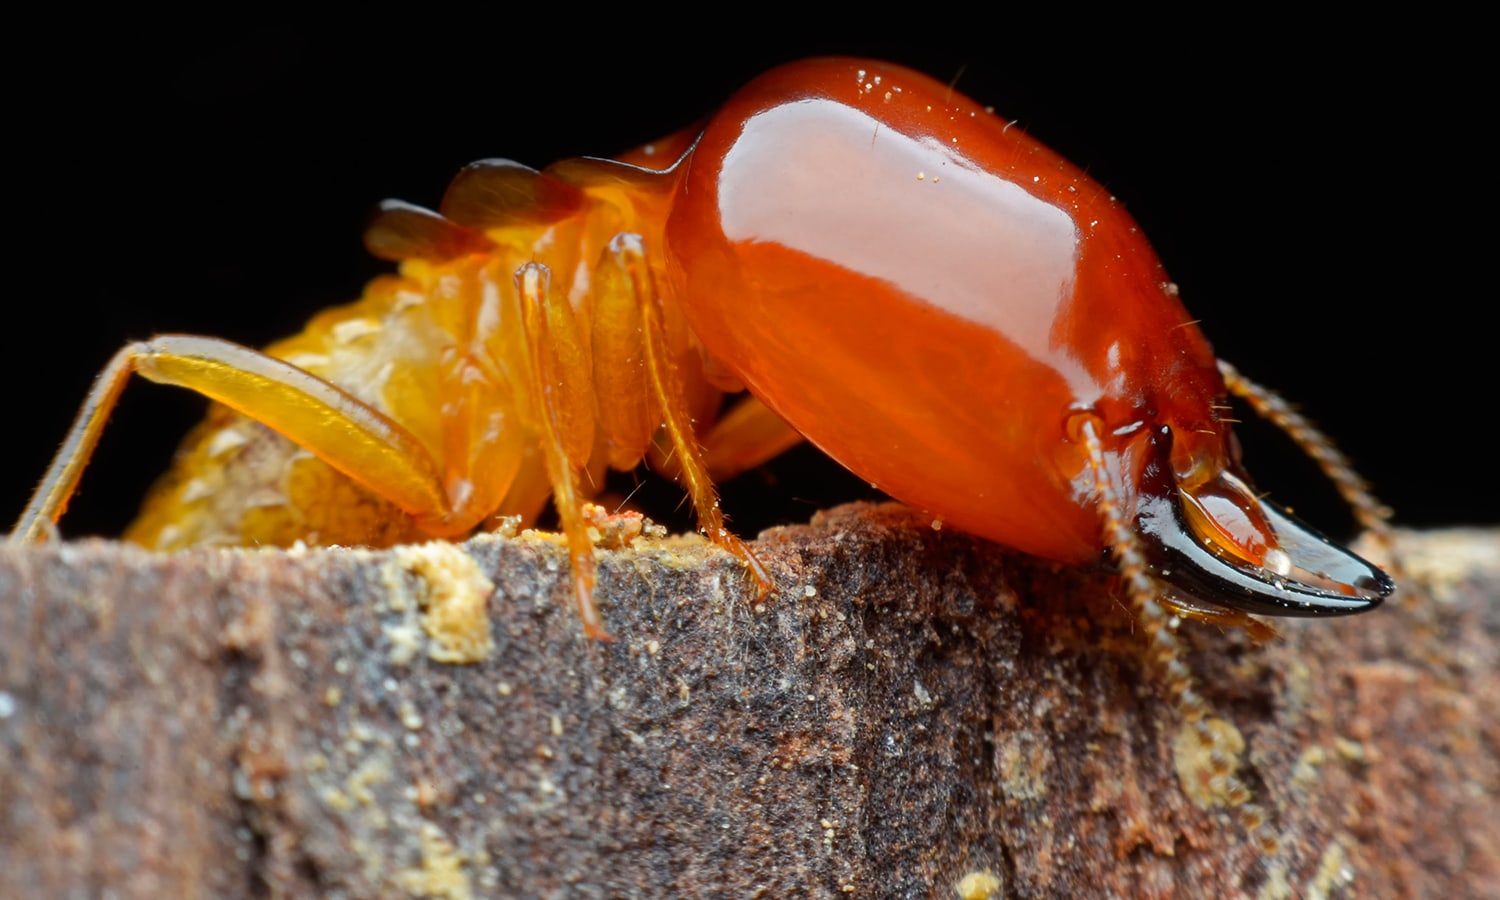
(1023, 768)
(977, 886)
(456, 602)
(442, 871)
(1194, 764)
(1333, 873)
(1305, 770)
(371, 772)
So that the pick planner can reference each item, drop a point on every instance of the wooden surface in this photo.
(913, 707)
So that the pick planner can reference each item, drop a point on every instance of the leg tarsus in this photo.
(765, 585)
(628, 253)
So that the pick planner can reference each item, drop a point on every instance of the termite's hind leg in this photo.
(332, 424)
(633, 277)
(50, 499)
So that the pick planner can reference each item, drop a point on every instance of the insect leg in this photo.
(483, 443)
(486, 433)
(1164, 650)
(629, 413)
(665, 382)
(749, 435)
(342, 430)
(560, 383)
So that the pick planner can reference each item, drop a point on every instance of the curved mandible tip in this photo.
(1311, 576)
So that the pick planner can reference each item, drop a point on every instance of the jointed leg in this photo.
(343, 431)
(628, 254)
(749, 435)
(559, 371)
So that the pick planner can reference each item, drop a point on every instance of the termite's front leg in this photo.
(345, 432)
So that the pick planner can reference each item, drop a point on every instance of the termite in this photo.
(939, 302)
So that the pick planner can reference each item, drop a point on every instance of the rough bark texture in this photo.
(912, 707)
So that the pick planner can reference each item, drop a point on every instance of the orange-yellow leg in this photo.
(626, 254)
(560, 384)
(749, 435)
(629, 413)
(340, 429)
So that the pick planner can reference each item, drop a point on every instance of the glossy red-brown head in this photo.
(926, 292)
(929, 294)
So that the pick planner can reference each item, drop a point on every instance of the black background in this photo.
(1320, 197)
